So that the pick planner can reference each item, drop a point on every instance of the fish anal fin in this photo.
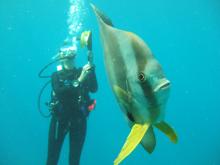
(134, 138)
(168, 131)
(149, 141)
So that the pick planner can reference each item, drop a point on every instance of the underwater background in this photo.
(183, 35)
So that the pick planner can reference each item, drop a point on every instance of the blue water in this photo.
(185, 38)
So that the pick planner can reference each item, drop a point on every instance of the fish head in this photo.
(149, 87)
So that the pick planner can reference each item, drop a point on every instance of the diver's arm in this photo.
(88, 78)
(88, 67)
(84, 73)
(91, 81)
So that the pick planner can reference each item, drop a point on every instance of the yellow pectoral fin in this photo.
(134, 138)
(121, 93)
(167, 130)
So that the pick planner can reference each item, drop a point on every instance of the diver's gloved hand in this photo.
(85, 72)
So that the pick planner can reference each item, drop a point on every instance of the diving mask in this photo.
(66, 52)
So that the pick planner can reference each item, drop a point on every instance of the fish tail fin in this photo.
(168, 131)
(134, 138)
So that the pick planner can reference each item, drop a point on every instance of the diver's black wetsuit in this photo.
(69, 114)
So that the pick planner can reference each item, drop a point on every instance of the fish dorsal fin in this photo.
(168, 131)
(134, 138)
(102, 16)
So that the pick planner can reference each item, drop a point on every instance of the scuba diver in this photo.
(70, 102)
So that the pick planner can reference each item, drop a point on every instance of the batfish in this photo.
(138, 83)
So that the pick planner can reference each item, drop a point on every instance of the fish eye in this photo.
(141, 76)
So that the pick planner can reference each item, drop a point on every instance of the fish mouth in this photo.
(164, 84)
